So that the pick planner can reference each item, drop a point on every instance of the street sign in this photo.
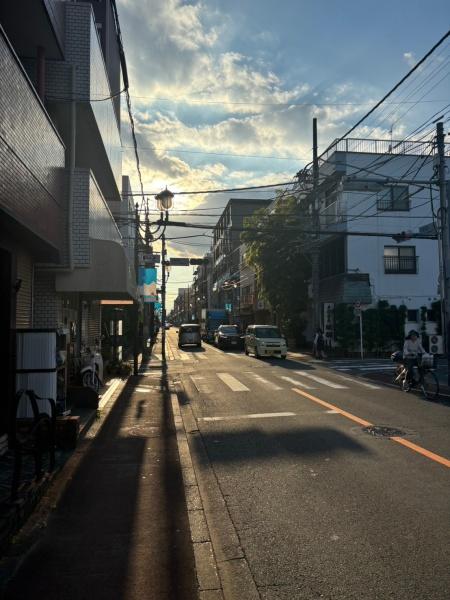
(228, 307)
(179, 262)
(148, 257)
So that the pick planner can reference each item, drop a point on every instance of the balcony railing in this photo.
(406, 265)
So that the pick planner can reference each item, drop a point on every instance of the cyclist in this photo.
(412, 349)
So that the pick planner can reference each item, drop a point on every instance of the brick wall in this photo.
(46, 307)
(80, 224)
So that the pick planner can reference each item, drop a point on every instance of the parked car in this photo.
(189, 333)
(265, 340)
(227, 336)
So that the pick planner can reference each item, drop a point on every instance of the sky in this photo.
(224, 92)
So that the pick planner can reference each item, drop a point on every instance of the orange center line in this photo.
(414, 447)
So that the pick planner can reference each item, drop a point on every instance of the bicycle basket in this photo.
(397, 357)
(427, 361)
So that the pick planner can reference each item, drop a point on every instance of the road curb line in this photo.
(234, 573)
(208, 580)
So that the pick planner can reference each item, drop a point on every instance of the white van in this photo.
(265, 340)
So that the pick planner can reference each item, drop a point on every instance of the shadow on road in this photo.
(254, 444)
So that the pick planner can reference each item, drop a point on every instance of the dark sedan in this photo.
(228, 336)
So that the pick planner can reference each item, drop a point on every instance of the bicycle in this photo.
(422, 377)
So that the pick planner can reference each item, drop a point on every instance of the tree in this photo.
(276, 252)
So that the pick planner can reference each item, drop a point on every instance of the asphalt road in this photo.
(312, 503)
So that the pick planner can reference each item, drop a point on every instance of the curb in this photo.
(209, 585)
(227, 555)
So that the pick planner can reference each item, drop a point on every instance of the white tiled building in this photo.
(367, 187)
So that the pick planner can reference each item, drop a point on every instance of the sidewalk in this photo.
(119, 528)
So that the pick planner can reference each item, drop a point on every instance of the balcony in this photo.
(400, 265)
(102, 268)
(32, 156)
(98, 134)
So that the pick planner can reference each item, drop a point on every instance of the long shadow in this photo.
(252, 444)
(193, 349)
(109, 519)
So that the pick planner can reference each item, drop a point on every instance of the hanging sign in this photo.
(147, 284)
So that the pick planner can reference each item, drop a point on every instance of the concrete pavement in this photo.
(120, 528)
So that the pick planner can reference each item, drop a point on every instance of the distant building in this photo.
(226, 259)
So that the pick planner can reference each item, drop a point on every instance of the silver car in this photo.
(189, 333)
(265, 340)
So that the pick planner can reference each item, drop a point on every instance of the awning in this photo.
(110, 275)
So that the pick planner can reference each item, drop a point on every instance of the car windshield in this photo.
(267, 332)
(229, 330)
(190, 328)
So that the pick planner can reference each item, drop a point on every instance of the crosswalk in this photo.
(362, 366)
(247, 381)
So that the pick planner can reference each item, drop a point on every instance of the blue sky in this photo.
(212, 80)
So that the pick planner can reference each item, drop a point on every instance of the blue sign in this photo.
(147, 284)
(228, 307)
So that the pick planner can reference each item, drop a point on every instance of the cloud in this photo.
(409, 58)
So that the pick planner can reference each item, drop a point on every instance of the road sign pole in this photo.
(361, 334)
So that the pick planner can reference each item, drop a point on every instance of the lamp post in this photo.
(165, 201)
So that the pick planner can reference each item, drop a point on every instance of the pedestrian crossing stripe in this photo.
(322, 380)
(232, 382)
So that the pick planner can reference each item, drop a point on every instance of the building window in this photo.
(412, 315)
(400, 260)
(396, 197)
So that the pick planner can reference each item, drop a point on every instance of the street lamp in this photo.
(165, 202)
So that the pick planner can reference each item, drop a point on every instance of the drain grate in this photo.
(381, 431)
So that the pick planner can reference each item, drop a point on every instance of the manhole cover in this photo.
(381, 431)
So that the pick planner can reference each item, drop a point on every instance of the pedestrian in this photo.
(319, 344)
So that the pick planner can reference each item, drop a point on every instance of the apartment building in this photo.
(61, 251)
(225, 252)
(368, 187)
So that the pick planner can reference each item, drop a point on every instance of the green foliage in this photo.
(383, 327)
(278, 258)
(346, 330)
(437, 316)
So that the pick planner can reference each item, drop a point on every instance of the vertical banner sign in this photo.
(147, 284)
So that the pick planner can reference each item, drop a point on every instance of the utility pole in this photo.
(315, 252)
(445, 225)
(136, 302)
(163, 296)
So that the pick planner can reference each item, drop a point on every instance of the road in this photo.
(301, 492)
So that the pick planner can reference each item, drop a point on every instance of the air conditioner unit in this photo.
(436, 344)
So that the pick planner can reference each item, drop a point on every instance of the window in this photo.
(412, 315)
(395, 197)
(400, 260)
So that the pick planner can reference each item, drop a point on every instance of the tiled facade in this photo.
(32, 157)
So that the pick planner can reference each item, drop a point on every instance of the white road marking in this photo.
(184, 356)
(269, 384)
(296, 382)
(363, 383)
(200, 384)
(143, 390)
(251, 416)
(323, 381)
(202, 356)
(232, 382)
